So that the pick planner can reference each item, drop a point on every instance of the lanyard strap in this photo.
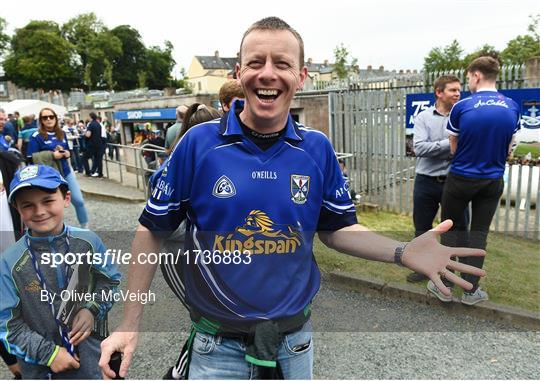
(63, 334)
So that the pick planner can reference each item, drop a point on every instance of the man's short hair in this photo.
(229, 91)
(274, 23)
(441, 82)
(93, 115)
(486, 65)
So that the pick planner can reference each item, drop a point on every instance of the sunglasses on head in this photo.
(48, 117)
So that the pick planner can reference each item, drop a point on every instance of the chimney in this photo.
(400, 71)
(415, 71)
(325, 62)
(216, 54)
(369, 67)
(408, 71)
(310, 61)
(381, 68)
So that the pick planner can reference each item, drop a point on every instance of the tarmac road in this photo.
(356, 336)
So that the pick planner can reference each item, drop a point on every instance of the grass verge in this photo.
(512, 264)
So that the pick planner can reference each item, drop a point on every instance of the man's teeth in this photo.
(268, 93)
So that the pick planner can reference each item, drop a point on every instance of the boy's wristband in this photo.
(53, 356)
(93, 308)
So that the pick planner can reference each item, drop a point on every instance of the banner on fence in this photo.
(528, 99)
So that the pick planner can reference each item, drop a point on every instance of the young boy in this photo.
(53, 332)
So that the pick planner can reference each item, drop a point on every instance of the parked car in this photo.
(99, 95)
(155, 93)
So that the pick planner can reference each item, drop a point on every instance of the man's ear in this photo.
(67, 199)
(303, 76)
(237, 71)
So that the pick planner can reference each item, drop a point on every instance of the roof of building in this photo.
(216, 62)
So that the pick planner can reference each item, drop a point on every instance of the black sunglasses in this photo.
(48, 117)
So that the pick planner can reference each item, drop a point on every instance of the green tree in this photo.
(94, 44)
(141, 79)
(41, 58)
(534, 27)
(520, 49)
(133, 57)
(108, 75)
(486, 50)
(4, 38)
(524, 47)
(444, 58)
(341, 58)
(160, 64)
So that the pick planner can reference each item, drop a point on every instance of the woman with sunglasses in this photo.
(48, 145)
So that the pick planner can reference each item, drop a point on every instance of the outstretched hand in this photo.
(426, 255)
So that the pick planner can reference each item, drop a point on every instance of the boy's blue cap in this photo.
(41, 176)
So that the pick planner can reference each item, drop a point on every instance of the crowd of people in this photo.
(252, 186)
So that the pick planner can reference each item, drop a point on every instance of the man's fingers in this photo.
(457, 280)
(443, 227)
(463, 268)
(106, 352)
(124, 365)
(465, 252)
(440, 285)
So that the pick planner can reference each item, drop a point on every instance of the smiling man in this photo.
(254, 188)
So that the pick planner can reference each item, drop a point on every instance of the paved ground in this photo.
(355, 335)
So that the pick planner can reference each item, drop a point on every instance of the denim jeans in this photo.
(77, 198)
(217, 357)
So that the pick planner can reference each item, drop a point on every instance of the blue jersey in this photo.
(485, 123)
(38, 144)
(264, 207)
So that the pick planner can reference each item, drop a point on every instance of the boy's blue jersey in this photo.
(37, 144)
(239, 199)
(485, 123)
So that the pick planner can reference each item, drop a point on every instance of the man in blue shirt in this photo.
(481, 128)
(254, 187)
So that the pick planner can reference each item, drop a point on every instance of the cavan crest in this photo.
(299, 188)
(224, 188)
(530, 114)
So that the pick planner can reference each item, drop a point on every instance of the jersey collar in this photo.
(492, 89)
(231, 126)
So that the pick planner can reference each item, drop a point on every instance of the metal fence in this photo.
(131, 168)
(370, 125)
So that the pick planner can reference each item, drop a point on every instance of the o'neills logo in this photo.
(259, 235)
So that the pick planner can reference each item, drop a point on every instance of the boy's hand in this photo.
(82, 326)
(64, 361)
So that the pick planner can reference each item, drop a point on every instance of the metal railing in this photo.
(132, 169)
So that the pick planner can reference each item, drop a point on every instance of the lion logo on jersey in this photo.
(259, 235)
(258, 222)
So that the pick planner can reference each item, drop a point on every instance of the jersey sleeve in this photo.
(15, 334)
(453, 120)
(170, 191)
(33, 145)
(337, 210)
